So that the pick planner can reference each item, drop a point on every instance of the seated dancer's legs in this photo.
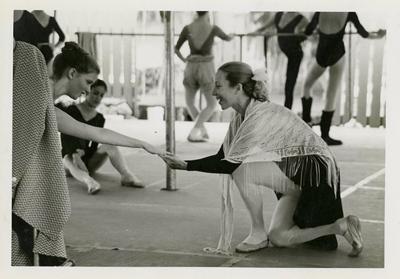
(80, 172)
(117, 160)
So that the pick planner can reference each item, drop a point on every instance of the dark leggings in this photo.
(292, 71)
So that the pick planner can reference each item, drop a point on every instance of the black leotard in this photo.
(331, 46)
(70, 144)
(42, 34)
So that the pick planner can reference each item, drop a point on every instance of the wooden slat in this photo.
(336, 120)
(106, 47)
(348, 79)
(375, 119)
(362, 51)
(117, 66)
(127, 61)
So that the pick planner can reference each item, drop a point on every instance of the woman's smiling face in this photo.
(225, 94)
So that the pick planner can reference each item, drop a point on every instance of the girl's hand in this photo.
(174, 162)
(153, 150)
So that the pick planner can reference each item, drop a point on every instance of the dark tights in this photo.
(292, 71)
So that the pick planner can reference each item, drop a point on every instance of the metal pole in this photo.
(241, 47)
(35, 255)
(350, 78)
(169, 97)
(53, 38)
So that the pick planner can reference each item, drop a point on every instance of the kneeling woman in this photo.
(268, 145)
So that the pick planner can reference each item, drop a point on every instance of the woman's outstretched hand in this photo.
(174, 162)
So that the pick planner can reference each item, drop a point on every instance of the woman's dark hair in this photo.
(73, 56)
(239, 72)
(98, 82)
(201, 13)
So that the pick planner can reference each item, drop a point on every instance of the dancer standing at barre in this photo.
(200, 71)
(330, 54)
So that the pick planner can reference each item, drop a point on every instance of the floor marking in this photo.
(373, 188)
(377, 188)
(351, 189)
(89, 247)
(372, 221)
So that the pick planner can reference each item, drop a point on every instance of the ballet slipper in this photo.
(196, 136)
(247, 247)
(353, 235)
(93, 187)
(204, 133)
(133, 182)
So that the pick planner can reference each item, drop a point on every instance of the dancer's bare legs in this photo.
(315, 72)
(190, 96)
(74, 164)
(335, 78)
(117, 161)
(282, 232)
(206, 113)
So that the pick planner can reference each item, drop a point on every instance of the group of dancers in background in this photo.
(266, 145)
(292, 29)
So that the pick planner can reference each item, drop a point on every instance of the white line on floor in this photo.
(350, 190)
(372, 221)
(372, 188)
(377, 188)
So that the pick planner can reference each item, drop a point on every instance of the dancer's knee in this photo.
(109, 149)
(281, 238)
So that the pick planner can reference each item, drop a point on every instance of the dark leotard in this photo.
(23, 28)
(331, 46)
(42, 34)
(70, 144)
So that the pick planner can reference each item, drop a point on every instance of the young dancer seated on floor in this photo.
(269, 146)
(81, 157)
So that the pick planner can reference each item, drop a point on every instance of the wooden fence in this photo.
(122, 58)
